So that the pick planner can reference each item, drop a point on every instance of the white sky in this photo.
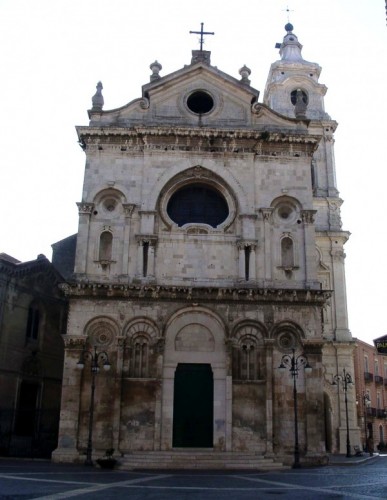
(53, 53)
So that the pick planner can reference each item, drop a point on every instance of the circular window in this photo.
(109, 204)
(286, 341)
(293, 97)
(198, 203)
(200, 102)
(285, 211)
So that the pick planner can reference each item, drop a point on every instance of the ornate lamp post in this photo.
(96, 359)
(366, 404)
(346, 380)
(294, 363)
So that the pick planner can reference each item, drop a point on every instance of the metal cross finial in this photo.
(201, 33)
(288, 11)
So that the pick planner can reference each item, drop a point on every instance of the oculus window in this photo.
(197, 203)
(200, 102)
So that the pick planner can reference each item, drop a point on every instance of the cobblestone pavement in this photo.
(45, 480)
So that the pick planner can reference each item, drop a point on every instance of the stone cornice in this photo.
(142, 138)
(155, 292)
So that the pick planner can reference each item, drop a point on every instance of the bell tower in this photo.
(292, 87)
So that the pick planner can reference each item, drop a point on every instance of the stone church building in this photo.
(210, 246)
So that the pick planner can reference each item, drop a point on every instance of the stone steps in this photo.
(198, 460)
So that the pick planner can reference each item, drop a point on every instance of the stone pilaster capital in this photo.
(128, 209)
(242, 244)
(307, 216)
(151, 239)
(85, 208)
(267, 214)
(74, 342)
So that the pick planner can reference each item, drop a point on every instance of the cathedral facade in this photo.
(210, 252)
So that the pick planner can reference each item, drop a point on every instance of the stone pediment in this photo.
(198, 95)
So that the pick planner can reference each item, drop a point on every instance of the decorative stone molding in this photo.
(200, 294)
(144, 103)
(158, 138)
(85, 208)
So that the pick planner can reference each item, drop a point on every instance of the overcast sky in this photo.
(53, 53)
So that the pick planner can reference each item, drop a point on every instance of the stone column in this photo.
(151, 240)
(242, 245)
(269, 344)
(128, 209)
(338, 284)
(314, 403)
(310, 246)
(85, 210)
(267, 214)
(117, 392)
(71, 391)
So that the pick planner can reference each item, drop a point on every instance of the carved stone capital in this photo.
(151, 239)
(128, 209)
(241, 244)
(334, 213)
(307, 216)
(338, 254)
(267, 214)
(85, 208)
(74, 342)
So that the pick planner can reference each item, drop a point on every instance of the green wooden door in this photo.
(193, 406)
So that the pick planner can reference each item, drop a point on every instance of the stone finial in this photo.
(155, 67)
(301, 105)
(97, 99)
(245, 72)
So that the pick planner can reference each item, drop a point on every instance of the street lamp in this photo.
(366, 404)
(294, 363)
(96, 359)
(346, 380)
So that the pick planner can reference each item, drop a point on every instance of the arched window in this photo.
(287, 252)
(247, 358)
(105, 246)
(33, 321)
(140, 357)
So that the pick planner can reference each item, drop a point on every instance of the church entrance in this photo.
(193, 406)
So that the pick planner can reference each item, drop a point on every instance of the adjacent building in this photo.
(32, 320)
(371, 394)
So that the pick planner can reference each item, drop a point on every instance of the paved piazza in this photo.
(45, 480)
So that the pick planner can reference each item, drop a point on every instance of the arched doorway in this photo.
(195, 412)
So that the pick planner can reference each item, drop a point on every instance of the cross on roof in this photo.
(288, 11)
(201, 33)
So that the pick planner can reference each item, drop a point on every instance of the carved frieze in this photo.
(199, 294)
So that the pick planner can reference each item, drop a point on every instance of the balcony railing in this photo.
(378, 379)
(380, 413)
(368, 377)
(385, 381)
